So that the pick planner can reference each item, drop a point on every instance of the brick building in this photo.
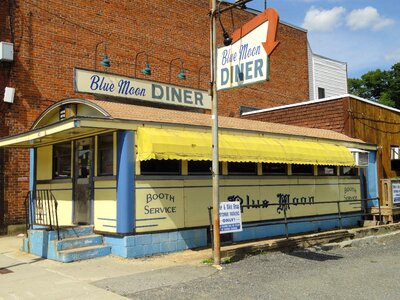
(353, 116)
(51, 38)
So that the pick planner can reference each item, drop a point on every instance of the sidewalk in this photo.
(23, 276)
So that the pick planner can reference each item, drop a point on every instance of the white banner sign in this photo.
(94, 82)
(230, 217)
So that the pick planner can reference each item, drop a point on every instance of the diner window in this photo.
(201, 167)
(62, 160)
(160, 167)
(242, 168)
(302, 169)
(326, 170)
(105, 154)
(274, 169)
(348, 171)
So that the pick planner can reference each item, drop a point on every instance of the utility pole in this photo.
(214, 129)
(214, 115)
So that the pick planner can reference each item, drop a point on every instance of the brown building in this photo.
(51, 38)
(353, 116)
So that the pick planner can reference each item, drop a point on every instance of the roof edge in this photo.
(309, 102)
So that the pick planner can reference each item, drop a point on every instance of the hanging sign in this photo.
(246, 60)
(230, 217)
(99, 83)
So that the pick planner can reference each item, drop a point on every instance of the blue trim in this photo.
(111, 226)
(372, 179)
(146, 226)
(125, 182)
(151, 219)
(32, 179)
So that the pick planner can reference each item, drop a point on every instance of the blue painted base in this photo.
(77, 244)
(156, 243)
(267, 229)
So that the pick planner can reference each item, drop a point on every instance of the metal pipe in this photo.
(340, 215)
(211, 226)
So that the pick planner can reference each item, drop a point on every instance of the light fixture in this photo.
(227, 38)
(146, 70)
(105, 62)
(182, 73)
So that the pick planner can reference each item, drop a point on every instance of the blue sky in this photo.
(363, 33)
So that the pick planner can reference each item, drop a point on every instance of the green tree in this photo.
(378, 85)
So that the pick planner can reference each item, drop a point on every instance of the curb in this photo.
(324, 241)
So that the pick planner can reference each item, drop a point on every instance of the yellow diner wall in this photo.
(105, 205)
(44, 159)
(172, 204)
(62, 191)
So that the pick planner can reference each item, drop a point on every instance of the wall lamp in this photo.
(105, 62)
(227, 38)
(181, 74)
(146, 70)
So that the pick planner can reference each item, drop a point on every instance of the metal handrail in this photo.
(286, 206)
(41, 209)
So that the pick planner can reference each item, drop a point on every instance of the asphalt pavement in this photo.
(366, 268)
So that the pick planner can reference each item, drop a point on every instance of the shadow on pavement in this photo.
(311, 255)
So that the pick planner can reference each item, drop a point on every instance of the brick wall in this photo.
(52, 37)
(330, 115)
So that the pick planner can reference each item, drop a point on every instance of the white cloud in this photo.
(367, 17)
(393, 56)
(323, 20)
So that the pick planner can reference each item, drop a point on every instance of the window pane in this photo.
(302, 169)
(274, 169)
(242, 168)
(348, 171)
(202, 167)
(326, 170)
(105, 154)
(62, 160)
(160, 167)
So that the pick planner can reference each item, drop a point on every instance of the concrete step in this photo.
(71, 255)
(79, 242)
(71, 232)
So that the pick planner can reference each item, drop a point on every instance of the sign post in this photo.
(245, 62)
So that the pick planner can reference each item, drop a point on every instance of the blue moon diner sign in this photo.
(106, 84)
(246, 61)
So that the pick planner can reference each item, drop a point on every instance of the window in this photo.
(242, 168)
(348, 171)
(326, 170)
(201, 167)
(274, 169)
(321, 93)
(160, 167)
(302, 169)
(62, 160)
(105, 155)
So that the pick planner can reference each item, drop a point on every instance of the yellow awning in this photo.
(156, 143)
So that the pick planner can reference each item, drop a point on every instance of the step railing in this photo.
(41, 210)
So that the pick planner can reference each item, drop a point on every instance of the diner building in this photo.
(106, 112)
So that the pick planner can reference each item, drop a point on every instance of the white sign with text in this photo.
(230, 218)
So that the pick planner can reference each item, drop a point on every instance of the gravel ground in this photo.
(366, 269)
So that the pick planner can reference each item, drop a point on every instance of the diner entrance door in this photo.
(83, 181)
